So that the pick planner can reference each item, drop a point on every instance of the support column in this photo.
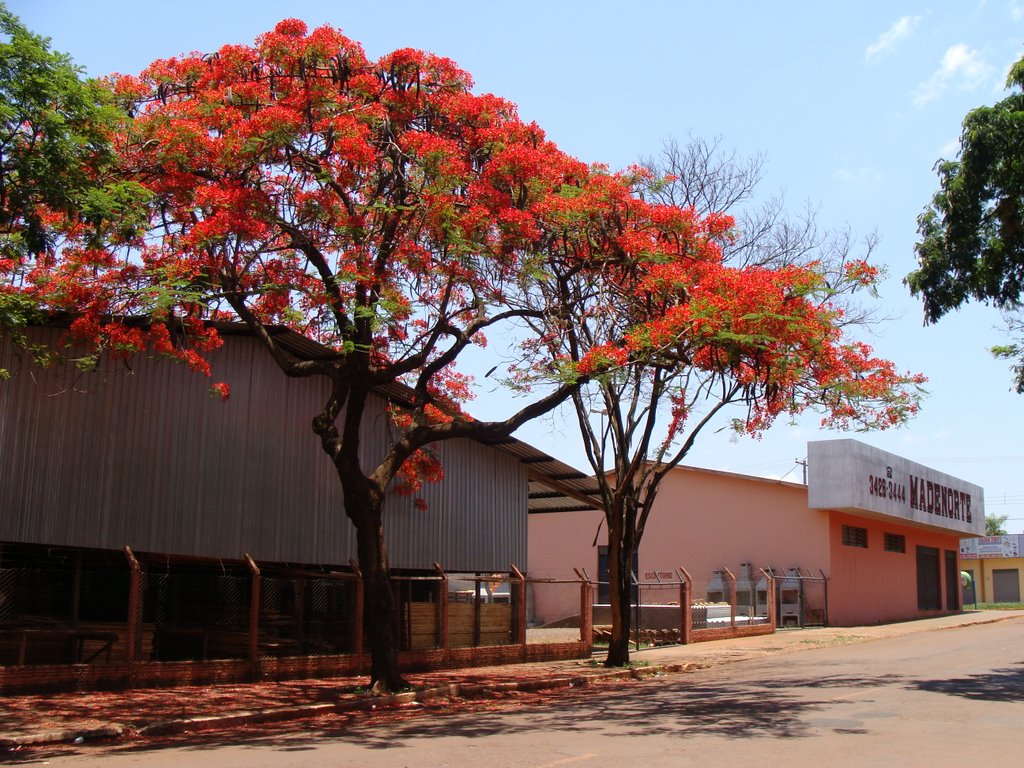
(254, 614)
(587, 613)
(732, 596)
(773, 618)
(133, 638)
(685, 607)
(518, 596)
(441, 639)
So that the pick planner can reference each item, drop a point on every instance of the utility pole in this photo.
(803, 466)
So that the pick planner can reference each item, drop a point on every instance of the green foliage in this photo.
(56, 169)
(16, 312)
(972, 234)
(52, 137)
(1014, 352)
(995, 525)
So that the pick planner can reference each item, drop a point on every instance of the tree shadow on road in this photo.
(769, 709)
(1004, 685)
(680, 707)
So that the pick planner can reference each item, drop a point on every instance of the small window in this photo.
(895, 542)
(855, 537)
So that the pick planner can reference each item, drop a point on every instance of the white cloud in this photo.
(862, 175)
(961, 67)
(888, 39)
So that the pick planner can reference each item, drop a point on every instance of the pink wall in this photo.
(703, 520)
(555, 544)
(871, 586)
(706, 519)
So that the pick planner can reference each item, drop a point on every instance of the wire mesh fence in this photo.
(76, 606)
(67, 606)
(61, 606)
(194, 610)
(557, 612)
(802, 597)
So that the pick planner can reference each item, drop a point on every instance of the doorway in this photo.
(952, 582)
(929, 595)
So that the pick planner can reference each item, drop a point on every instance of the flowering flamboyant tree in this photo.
(383, 210)
(378, 208)
(671, 335)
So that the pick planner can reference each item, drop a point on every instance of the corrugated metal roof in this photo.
(554, 485)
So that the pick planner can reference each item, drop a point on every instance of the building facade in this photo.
(993, 566)
(872, 538)
(137, 453)
(153, 534)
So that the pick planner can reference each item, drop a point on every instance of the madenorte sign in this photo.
(850, 475)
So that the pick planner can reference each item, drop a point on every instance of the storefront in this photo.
(993, 566)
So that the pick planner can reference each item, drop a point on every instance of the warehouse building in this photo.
(873, 537)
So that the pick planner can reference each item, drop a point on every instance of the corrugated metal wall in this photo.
(142, 455)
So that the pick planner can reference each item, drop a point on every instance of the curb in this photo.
(62, 736)
(12, 742)
(449, 691)
(281, 714)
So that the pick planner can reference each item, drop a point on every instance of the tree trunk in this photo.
(364, 507)
(380, 615)
(620, 584)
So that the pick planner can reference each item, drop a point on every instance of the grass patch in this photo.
(997, 606)
(636, 664)
(834, 640)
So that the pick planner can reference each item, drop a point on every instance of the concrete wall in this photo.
(872, 586)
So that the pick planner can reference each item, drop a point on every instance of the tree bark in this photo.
(620, 586)
(364, 506)
(380, 614)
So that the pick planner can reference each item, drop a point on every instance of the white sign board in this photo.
(991, 546)
(849, 475)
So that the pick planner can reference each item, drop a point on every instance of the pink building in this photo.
(874, 537)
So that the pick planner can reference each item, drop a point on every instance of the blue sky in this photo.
(851, 105)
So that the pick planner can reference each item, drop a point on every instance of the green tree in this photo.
(56, 160)
(995, 525)
(972, 234)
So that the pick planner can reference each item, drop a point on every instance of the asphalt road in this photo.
(942, 698)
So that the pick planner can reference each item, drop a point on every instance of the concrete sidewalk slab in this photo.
(35, 720)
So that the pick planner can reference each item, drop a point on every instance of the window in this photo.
(895, 542)
(855, 537)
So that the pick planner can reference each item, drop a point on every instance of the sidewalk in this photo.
(28, 720)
